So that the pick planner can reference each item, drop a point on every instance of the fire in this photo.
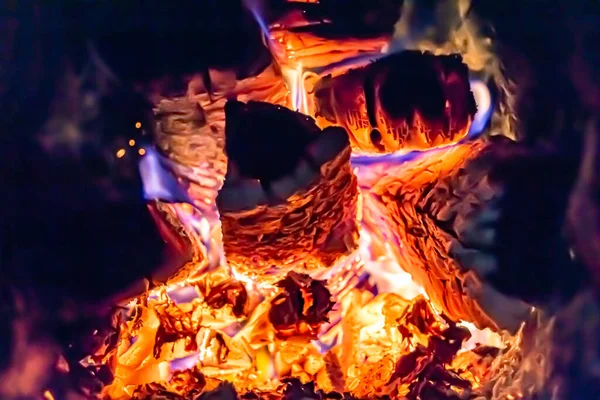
(373, 323)
(224, 329)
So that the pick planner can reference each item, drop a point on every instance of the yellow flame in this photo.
(120, 153)
(293, 79)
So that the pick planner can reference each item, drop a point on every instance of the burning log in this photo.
(310, 51)
(354, 18)
(311, 36)
(430, 200)
(492, 208)
(289, 201)
(407, 101)
(190, 127)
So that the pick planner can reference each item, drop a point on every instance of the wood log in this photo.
(490, 208)
(289, 201)
(406, 101)
(429, 201)
(190, 126)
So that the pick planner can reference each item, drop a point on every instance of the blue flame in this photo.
(254, 7)
(158, 183)
(184, 363)
(484, 100)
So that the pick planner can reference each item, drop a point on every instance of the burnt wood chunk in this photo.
(301, 307)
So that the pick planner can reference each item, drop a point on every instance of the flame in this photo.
(295, 78)
(483, 99)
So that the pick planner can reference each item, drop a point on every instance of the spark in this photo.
(48, 395)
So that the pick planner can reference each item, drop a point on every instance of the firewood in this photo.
(407, 101)
(429, 202)
(290, 196)
(190, 127)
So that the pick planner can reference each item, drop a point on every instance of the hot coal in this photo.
(228, 293)
(175, 325)
(301, 308)
(294, 389)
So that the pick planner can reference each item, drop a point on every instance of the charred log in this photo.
(540, 61)
(407, 101)
(288, 199)
(190, 127)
